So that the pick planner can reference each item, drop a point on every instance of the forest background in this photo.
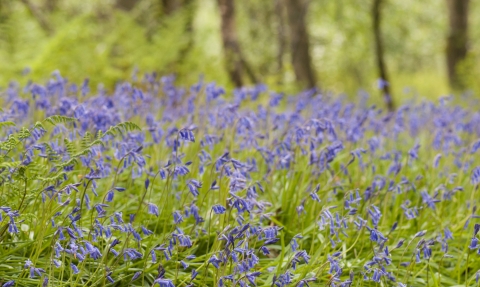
(421, 48)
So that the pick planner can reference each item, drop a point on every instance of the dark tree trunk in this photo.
(170, 6)
(384, 82)
(125, 5)
(234, 60)
(299, 43)
(457, 39)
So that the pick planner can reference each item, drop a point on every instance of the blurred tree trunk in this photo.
(37, 14)
(282, 41)
(457, 39)
(384, 83)
(234, 60)
(299, 42)
(170, 6)
(188, 8)
(125, 5)
(51, 5)
(4, 11)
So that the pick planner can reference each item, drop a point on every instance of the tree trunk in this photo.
(37, 14)
(299, 43)
(279, 11)
(457, 39)
(125, 5)
(190, 5)
(234, 60)
(50, 5)
(170, 6)
(4, 11)
(383, 82)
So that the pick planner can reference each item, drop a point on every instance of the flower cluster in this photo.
(156, 184)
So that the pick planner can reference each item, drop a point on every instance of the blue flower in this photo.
(163, 282)
(218, 209)
(475, 177)
(74, 268)
(153, 209)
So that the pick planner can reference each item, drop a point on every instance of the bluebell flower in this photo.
(473, 243)
(186, 135)
(214, 261)
(314, 194)
(475, 177)
(184, 264)
(293, 243)
(153, 209)
(271, 232)
(193, 186)
(420, 234)
(194, 275)
(476, 229)
(428, 200)
(136, 275)
(218, 209)
(74, 268)
(110, 195)
(475, 147)
(413, 153)
(377, 275)
(163, 282)
(436, 160)
(132, 253)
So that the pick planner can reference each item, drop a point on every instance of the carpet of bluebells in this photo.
(158, 185)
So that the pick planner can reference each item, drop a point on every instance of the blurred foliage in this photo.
(92, 39)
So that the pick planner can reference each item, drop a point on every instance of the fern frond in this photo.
(10, 143)
(72, 161)
(122, 128)
(83, 152)
(57, 119)
(86, 139)
(24, 134)
(7, 124)
(95, 142)
(69, 147)
(99, 135)
(39, 125)
(10, 164)
(53, 178)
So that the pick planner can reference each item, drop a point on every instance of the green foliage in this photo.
(7, 124)
(122, 128)
(92, 39)
(57, 119)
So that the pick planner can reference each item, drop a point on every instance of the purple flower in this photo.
(153, 209)
(218, 209)
(74, 268)
(136, 276)
(163, 282)
(475, 176)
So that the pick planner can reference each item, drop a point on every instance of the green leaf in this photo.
(122, 128)
(56, 119)
(7, 124)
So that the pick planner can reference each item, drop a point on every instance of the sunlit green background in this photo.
(93, 39)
